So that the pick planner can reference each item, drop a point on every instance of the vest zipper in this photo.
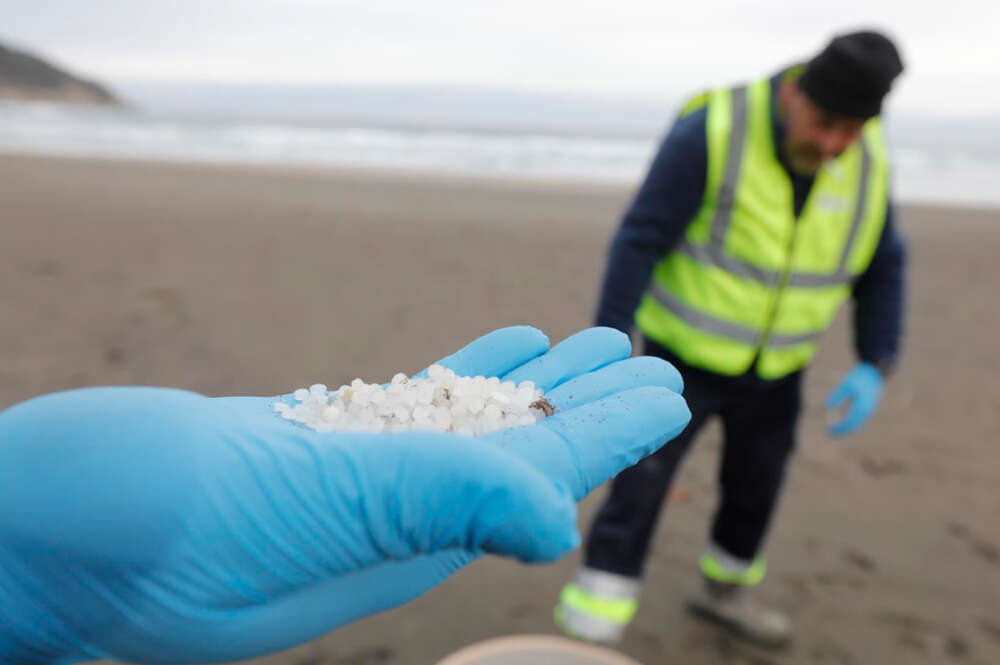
(782, 284)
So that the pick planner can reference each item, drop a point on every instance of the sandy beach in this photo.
(230, 280)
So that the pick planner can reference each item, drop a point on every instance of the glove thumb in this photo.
(839, 394)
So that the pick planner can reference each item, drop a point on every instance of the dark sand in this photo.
(255, 281)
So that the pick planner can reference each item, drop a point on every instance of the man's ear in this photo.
(786, 92)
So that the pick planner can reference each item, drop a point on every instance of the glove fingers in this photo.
(614, 378)
(857, 415)
(578, 354)
(583, 447)
(837, 397)
(426, 492)
(496, 353)
(846, 424)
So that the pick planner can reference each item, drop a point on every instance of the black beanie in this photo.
(852, 74)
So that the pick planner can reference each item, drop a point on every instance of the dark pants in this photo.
(759, 419)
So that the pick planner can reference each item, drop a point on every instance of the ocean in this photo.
(479, 132)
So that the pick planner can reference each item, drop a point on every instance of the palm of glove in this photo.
(178, 528)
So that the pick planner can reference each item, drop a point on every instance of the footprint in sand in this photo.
(834, 579)
(170, 304)
(991, 629)
(372, 656)
(879, 467)
(829, 653)
(45, 268)
(858, 560)
(919, 634)
(981, 547)
(520, 611)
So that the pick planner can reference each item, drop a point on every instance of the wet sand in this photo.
(230, 280)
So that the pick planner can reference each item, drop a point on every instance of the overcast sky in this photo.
(652, 48)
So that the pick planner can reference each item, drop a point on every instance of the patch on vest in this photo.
(831, 203)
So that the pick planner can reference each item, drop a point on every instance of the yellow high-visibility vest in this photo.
(749, 280)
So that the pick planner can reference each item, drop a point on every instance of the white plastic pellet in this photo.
(442, 401)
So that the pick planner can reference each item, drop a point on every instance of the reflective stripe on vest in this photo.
(717, 326)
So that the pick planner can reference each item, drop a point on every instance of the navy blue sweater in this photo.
(668, 201)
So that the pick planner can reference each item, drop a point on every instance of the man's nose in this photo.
(835, 142)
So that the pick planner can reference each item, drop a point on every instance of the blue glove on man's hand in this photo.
(863, 387)
(161, 526)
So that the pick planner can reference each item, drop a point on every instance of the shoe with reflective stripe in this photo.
(597, 606)
(732, 606)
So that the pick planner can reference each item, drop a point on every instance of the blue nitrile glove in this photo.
(161, 526)
(863, 387)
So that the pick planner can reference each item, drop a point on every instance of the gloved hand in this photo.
(161, 526)
(863, 387)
